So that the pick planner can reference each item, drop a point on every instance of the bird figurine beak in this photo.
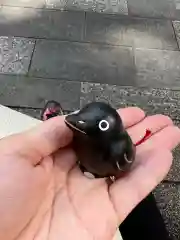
(73, 122)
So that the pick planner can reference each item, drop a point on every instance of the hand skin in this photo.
(44, 196)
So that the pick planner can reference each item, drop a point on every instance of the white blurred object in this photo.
(14, 122)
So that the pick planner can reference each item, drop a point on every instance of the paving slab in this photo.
(153, 101)
(15, 54)
(153, 8)
(136, 32)
(106, 64)
(157, 68)
(168, 199)
(106, 6)
(83, 62)
(32, 92)
(41, 23)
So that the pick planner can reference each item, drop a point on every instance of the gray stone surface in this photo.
(153, 8)
(15, 54)
(41, 23)
(157, 68)
(107, 6)
(168, 199)
(146, 33)
(24, 3)
(33, 92)
(176, 25)
(152, 100)
(173, 174)
(83, 62)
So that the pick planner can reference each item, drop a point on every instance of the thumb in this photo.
(40, 141)
(51, 135)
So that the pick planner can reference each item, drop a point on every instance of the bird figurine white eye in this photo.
(103, 125)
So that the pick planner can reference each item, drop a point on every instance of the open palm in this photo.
(44, 196)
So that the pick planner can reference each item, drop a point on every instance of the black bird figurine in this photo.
(102, 144)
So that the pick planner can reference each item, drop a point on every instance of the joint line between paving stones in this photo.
(32, 54)
(78, 41)
(171, 182)
(89, 81)
(84, 26)
(134, 60)
(95, 43)
(23, 107)
(128, 8)
(175, 89)
(175, 35)
(31, 108)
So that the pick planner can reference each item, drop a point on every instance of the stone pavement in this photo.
(128, 55)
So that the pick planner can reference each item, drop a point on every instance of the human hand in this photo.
(43, 194)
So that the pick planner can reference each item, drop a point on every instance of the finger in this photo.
(127, 192)
(168, 138)
(131, 115)
(23, 190)
(153, 123)
(40, 141)
(52, 134)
